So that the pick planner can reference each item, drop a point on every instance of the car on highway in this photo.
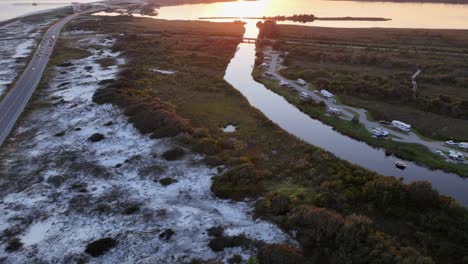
(33, 69)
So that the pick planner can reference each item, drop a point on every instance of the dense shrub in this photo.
(100, 246)
(167, 181)
(174, 153)
(220, 243)
(239, 182)
(280, 254)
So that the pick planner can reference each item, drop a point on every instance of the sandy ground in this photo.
(60, 191)
(17, 41)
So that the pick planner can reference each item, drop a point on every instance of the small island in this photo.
(305, 18)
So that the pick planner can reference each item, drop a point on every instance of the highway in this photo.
(14, 103)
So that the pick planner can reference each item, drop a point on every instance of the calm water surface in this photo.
(403, 15)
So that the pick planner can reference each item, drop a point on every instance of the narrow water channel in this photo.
(291, 119)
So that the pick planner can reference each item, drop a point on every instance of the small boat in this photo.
(400, 165)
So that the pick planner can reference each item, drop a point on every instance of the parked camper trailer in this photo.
(326, 93)
(301, 82)
(463, 145)
(402, 126)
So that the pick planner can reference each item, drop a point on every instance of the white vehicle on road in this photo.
(463, 145)
(304, 96)
(458, 156)
(283, 84)
(451, 143)
(379, 132)
(334, 111)
(440, 153)
(301, 82)
(33, 69)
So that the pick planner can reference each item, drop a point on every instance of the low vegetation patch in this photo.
(167, 181)
(174, 153)
(100, 246)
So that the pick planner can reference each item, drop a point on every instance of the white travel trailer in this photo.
(463, 145)
(301, 82)
(326, 93)
(402, 126)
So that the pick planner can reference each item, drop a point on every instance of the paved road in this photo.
(370, 125)
(16, 100)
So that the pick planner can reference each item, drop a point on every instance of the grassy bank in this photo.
(412, 152)
(340, 212)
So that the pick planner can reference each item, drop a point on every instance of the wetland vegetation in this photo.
(337, 211)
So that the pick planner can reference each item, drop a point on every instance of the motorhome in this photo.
(402, 126)
(301, 82)
(326, 93)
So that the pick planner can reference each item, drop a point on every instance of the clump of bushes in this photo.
(175, 153)
(218, 244)
(100, 246)
(96, 137)
(207, 146)
(131, 209)
(13, 245)
(65, 64)
(167, 234)
(328, 236)
(149, 116)
(239, 182)
(280, 254)
(215, 231)
(167, 181)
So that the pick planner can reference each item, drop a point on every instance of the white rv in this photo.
(402, 126)
(463, 145)
(326, 93)
(301, 82)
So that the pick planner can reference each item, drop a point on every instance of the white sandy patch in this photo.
(17, 41)
(63, 192)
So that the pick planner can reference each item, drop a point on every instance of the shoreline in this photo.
(39, 12)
